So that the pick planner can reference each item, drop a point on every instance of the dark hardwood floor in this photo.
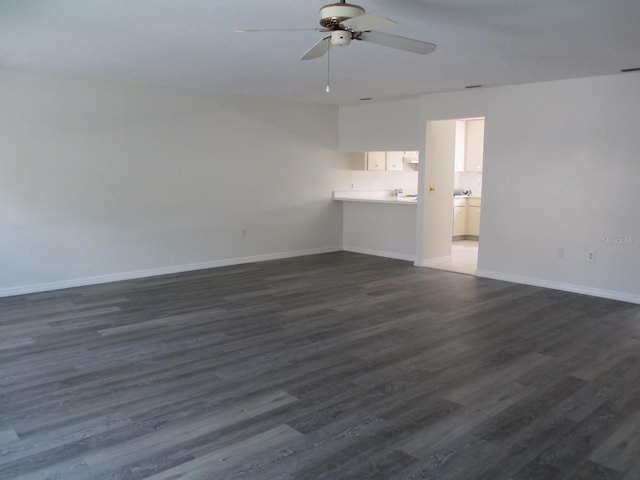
(323, 367)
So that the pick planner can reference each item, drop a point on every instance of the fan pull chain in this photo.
(328, 89)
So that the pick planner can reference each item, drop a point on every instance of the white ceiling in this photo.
(192, 43)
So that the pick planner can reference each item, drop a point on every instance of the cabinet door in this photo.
(459, 220)
(474, 145)
(461, 126)
(395, 161)
(473, 221)
(376, 160)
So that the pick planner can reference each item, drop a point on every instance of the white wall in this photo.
(561, 170)
(101, 180)
(380, 229)
(381, 126)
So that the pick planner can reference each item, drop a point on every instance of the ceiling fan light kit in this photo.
(340, 38)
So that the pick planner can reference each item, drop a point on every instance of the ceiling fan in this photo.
(347, 22)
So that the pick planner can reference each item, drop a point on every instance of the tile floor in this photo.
(464, 258)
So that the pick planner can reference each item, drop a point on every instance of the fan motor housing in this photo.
(331, 16)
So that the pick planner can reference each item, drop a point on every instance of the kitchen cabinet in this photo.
(459, 149)
(376, 160)
(466, 218)
(395, 161)
(389, 161)
(459, 217)
(469, 145)
(473, 217)
(474, 145)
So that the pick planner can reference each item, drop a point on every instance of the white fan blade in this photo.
(254, 30)
(318, 50)
(394, 41)
(367, 22)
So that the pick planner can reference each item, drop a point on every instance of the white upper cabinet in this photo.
(460, 145)
(395, 161)
(389, 161)
(474, 145)
(469, 148)
(376, 160)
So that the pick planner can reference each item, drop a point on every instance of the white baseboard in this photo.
(379, 253)
(567, 287)
(116, 277)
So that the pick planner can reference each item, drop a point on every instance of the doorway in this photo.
(454, 158)
(467, 188)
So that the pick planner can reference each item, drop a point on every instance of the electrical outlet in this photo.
(352, 185)
(560, 252)
(591, 256)
(243, 233)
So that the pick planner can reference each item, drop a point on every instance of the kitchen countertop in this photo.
(383, 196)
(375, 196)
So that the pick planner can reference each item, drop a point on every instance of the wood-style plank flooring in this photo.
(336, 366)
